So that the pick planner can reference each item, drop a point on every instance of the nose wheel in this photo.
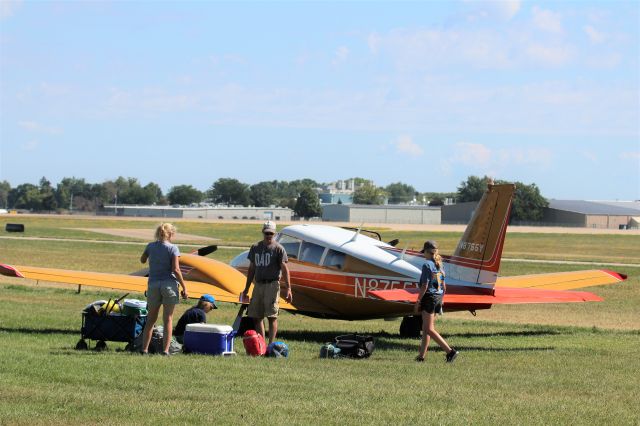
(411, 326)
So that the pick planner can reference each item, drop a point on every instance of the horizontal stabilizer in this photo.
(563, 280)
(503, 295)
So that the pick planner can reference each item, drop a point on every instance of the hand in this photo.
(184, 293)
(244, 297)
(288, 296)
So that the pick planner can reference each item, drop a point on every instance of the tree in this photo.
(184, 194)
(229, 191)
(528, 203)
(369, 194)
(5, 187)
(308, 204)
(400, 193)
(26, 196)
(47, 195)
(472, 189)
(263, 194)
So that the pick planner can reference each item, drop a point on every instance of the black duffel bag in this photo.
(355, 345)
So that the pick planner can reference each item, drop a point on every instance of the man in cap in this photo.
(195, 315)
(268, 264)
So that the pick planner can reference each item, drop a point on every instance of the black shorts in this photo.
(431, 303)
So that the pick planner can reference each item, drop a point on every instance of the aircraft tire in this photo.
(411, 326)
(81, 345)
(101, 346)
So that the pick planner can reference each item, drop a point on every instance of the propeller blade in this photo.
(204, 251)
(394, 242)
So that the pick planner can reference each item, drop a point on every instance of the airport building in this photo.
(218, 212)
(570, 213)
(356, 213)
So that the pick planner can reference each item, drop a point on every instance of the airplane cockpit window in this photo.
(334, 259)
(291, 245)
(311, 252)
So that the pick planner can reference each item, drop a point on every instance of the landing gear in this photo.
(101, 346)
(411, 326)
(81, 345)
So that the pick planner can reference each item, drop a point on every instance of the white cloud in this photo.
(484, 160)
(471, 154)
(595, 36)
(405, 145)
(8, 8)
(341, 55)
(507, 9)
(630, 155)
(549, 55)
(32, 126)
(31, 145)
(590, 155)
(547, 20)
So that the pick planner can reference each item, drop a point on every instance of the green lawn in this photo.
(518, 364)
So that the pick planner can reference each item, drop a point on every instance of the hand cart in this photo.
(109, 328)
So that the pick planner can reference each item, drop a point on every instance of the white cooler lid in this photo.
(209, 328)
(135, 303)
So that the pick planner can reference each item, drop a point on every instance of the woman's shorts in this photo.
(264, 300)
(163, 293)
(431, 303)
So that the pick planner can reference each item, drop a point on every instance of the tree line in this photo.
(300, 195)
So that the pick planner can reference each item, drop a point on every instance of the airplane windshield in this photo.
(291, 245)
(311, 252)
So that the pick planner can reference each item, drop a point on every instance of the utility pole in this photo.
(71, 204)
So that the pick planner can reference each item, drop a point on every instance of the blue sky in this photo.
(425, 93)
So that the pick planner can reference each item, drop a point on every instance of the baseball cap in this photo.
(209, 298)
(269, 227)
(429, 245)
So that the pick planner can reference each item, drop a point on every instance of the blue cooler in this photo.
(211, 339)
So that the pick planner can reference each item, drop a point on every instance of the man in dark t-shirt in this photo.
(195, 315)
(268, 263)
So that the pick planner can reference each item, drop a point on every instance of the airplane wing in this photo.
(563, 280)
(119, 281)
(539, 288)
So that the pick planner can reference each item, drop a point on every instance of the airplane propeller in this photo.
(394, 242)
(204, 251)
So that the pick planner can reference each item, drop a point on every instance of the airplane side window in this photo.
(334, 259)
(291, 245)
(311, 253)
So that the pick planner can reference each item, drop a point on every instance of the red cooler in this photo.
(211, 339)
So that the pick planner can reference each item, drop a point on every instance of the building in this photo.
(218, 212)
(570, 213)
(356, 213)
(338, 192)
(592, 214)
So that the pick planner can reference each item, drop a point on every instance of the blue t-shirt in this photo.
(161, 255)
(432, 277)
(192, 315)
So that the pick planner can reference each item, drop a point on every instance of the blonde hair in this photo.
(437, 259)
(164, 231)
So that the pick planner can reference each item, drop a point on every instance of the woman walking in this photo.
(432, 289)
(162, 287)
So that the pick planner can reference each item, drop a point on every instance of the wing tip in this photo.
(614, 274)
(10, 271)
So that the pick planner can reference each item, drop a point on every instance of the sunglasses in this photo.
(268, 233)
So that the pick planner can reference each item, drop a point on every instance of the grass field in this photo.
(573, 363)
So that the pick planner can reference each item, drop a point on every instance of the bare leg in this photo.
(424, 343)
(433, 333)
(152, 317)
(167, 317)
(259, 326)
(273, 329)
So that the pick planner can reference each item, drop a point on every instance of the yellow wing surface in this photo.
(210, 277)
(562, 280)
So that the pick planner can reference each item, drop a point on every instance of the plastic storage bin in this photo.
(211, 339)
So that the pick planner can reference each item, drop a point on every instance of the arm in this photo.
(287, 282)
(250, 274)
(145, 255)
(425, 276)
(175, 260)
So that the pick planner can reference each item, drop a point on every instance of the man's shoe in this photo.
(451, 356)
(419, 358)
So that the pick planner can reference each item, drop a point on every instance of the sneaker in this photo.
(451, 356)
(165, 354)
(419, 358)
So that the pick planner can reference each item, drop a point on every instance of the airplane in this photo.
(344, 274)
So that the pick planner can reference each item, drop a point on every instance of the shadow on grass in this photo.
(523, 333)
(384, 340)
(21, 330)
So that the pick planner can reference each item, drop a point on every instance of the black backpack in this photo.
(354, 345)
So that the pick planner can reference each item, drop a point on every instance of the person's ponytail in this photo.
(437, 259)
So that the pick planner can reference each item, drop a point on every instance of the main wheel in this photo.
(410, 327)
(101, 345)
(81, 345)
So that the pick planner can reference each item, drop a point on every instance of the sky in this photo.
(425, 93)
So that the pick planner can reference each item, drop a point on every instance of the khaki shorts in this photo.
(163, 293)
(264, 300)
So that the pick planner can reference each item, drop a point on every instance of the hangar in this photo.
(218, 212)
(358, 213)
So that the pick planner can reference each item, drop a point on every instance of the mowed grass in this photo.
(512, 369)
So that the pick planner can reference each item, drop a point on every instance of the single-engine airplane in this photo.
(344, 274)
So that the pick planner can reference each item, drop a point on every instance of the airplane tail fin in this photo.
(477, 256)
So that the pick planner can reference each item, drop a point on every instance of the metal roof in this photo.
(612, 208)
